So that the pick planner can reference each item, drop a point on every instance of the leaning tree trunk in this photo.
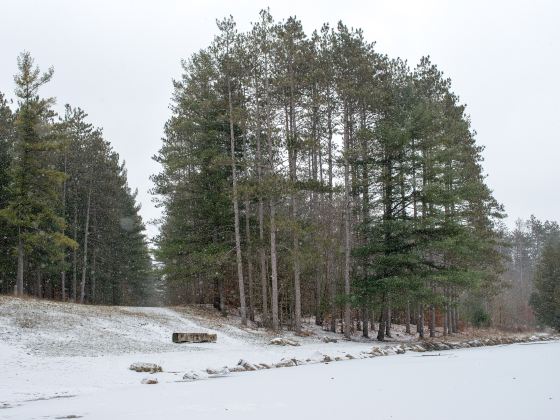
(86, 235)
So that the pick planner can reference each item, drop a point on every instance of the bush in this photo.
(480, 318)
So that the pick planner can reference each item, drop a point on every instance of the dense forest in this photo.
(311, 175)
(69, 223)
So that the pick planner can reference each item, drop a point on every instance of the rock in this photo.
(326, 339)
(285, 363)
(237, 369)
(198, 337)
(149, 381)
(145, 367)
(281, 341)
(247, 366)
(218, 372)
(194, 376)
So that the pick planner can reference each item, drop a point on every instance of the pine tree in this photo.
(34, 182)
(545, 300)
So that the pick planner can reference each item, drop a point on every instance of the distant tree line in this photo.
(313, 176)
(69, 223)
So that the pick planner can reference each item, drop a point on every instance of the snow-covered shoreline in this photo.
(50, 350)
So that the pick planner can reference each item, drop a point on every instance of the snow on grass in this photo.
(50, 349)
(66, 352)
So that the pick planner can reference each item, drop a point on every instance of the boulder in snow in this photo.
(281, 341)
(145, 367)
(194, 375)
(149, 381)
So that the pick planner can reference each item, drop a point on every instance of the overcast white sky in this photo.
(116, 60)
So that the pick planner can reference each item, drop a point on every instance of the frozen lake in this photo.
(519, 381)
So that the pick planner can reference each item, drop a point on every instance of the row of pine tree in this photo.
(311, 175)
(69, 223)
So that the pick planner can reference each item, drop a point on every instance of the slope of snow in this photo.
(506, 382)
(60, 360)
(50, 349)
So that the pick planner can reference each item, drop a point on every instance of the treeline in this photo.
(312, 175)
(69, 223)
(512, 307)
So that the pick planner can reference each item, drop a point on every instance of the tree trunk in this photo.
(63, 270)
(388, 319)
(297, 285)
(273, 266)
(445, 320)
(421, 320)
(242, 309)
(382, 321)
(249, 261)
(347, 227)
(365, 319)
(273, 254)
(75, 257)
(261, 251)
(449, 319)
(19, 278)
(93, 274)
(39, 284)
(330, 277)
(455, 319)
(263, 270)
(407, 317)
(332, 285)
(432, 321)
(86, 235)
(318, 314)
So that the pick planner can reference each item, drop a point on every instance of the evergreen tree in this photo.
(545, 300)
(35, 183)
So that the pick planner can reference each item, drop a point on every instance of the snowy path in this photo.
(506, 382)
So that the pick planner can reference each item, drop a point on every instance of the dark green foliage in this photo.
(67, 213)
(545, 300)
(480, 318)
(348, 149)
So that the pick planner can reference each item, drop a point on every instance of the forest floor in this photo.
(59, 360)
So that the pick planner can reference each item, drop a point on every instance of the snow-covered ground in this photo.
(53, 350)
(59, 360)
(511, 382)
